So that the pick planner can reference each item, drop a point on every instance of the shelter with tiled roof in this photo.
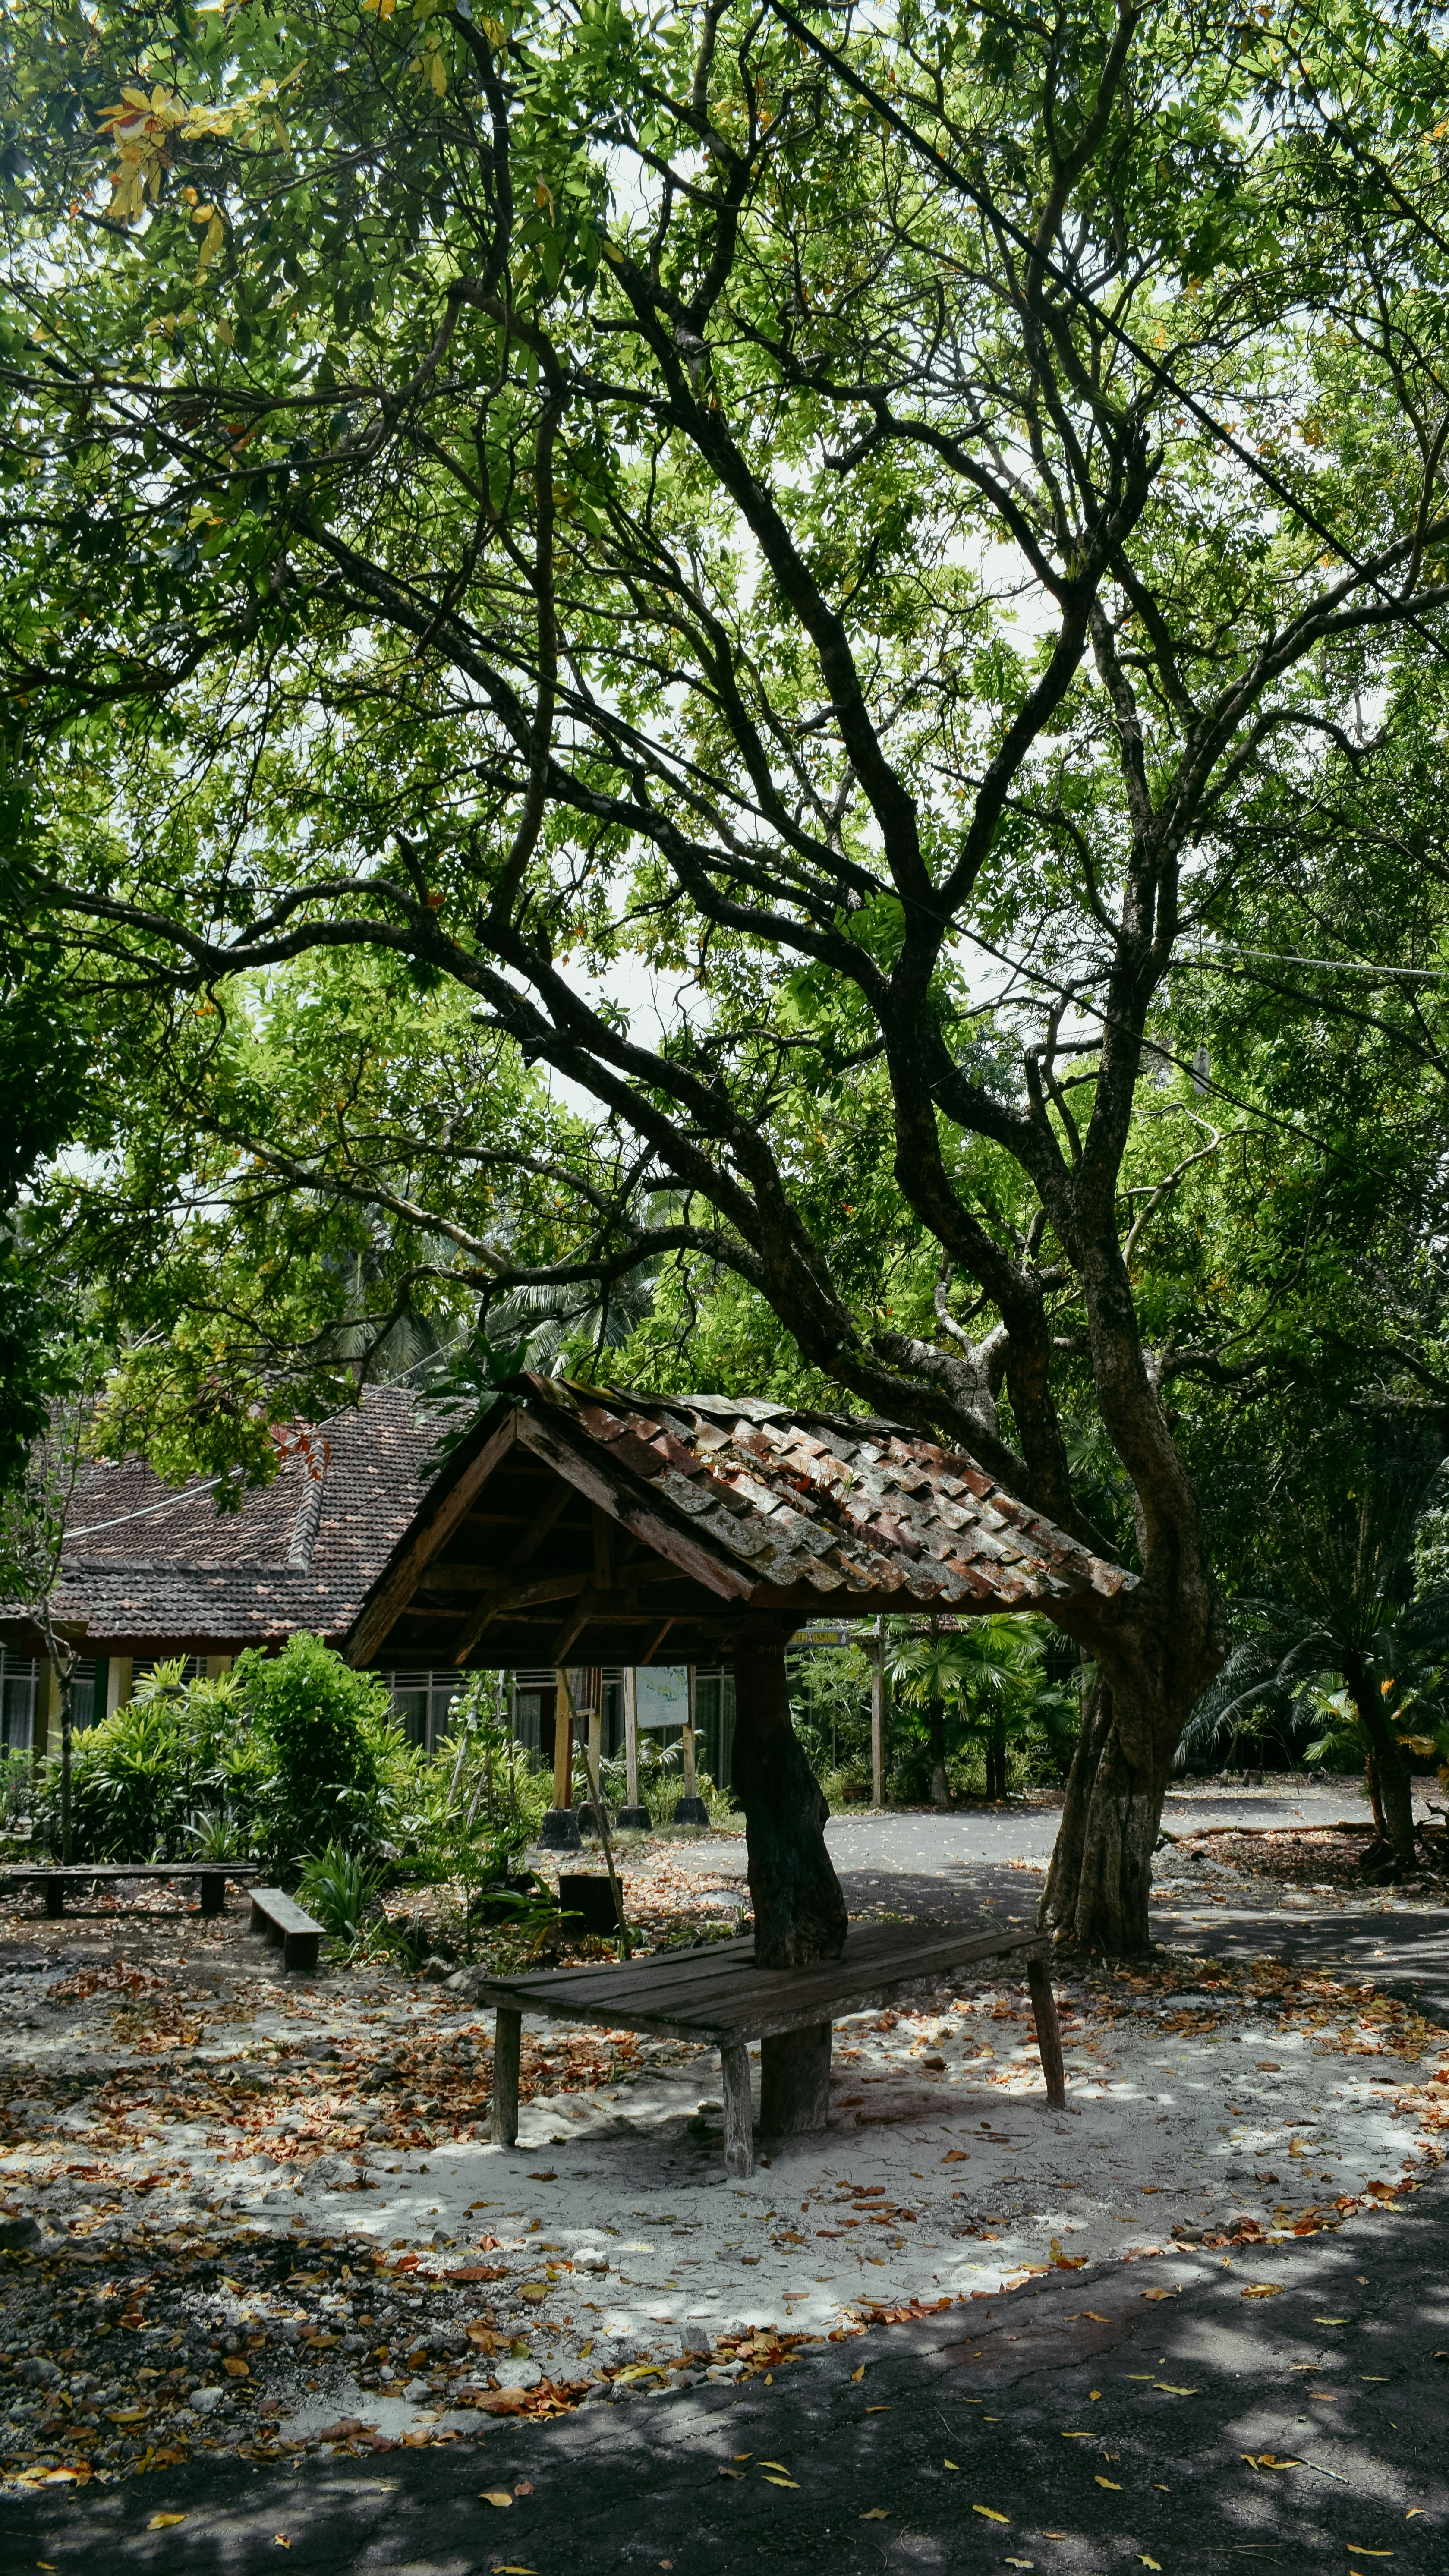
(594, 1525)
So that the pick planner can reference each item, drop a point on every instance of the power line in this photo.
(986, 204)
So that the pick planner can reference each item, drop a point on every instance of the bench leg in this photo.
(53, 1890)
(1048, 2031)
(257, 1921)
(734, 2066)
(795, 2082)
(212, 1887)
(507, 2046)
(299, 1950)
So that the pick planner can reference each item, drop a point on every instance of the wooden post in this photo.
(560, 1826)
(800, 1912)
(563, 1742)
(690, 1809)
(734, 2067)
(689, 1789)
(877, 1716)
(1048, 2030)
(120, 1672)
(507, 2048)
(632, 1816)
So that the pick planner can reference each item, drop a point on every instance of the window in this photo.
(19, 1680)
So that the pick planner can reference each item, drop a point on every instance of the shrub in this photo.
(340, 1887)
(327, 1731)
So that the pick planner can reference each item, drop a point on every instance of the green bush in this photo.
(340, 1887)
(326, 1730)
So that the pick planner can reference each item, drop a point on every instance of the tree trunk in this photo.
(936, 1723)
(996, 1758)
(1391, 1784)
(800, 1912)
(1150, 1670)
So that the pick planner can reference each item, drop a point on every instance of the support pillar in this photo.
(800, 1912)
(632, 1818)
(878, 1716)
(560, 1831)
(119, 1674)
(690, 1809)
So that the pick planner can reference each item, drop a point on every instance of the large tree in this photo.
(861, 522)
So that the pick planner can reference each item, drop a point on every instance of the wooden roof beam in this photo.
(430, 1531)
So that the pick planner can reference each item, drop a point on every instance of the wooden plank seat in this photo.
(718, 1995)
(281, 1919)
(53, 1878)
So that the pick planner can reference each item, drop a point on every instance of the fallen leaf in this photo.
(523, 2486)
(950, 2464)
(990, 2513)
(859, 2374)
(280, 2540)
(877, 2410)
(165, 2521)
(1334, 2321)
(1159, 2294)
(1094, 2394)
(955, 2156)
(1356, 2549)
(775, 2464)
(1263, 2290)
(1144, 2561)
(495, 2495)
(236, 2368)
(1085, 2312)
(543, 2177)
(1169, 2391)
(1114, 2483)
(877, 2513)
(783, 2482)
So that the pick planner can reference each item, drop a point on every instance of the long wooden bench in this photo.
(53, 1878)
(718, 1995)
(276, 1914)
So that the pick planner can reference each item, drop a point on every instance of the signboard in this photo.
(663, 1696)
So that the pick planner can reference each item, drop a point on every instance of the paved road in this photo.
(890, 2444)
(957, 1867)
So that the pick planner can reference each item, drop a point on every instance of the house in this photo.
(571, 1526)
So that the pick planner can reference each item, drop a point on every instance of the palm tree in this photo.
(990, 1674)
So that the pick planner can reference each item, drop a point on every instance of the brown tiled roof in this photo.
(761, 1507)
(151, 1568)
(721, 1508)
(832, 1501)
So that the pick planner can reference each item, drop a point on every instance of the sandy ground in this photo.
(289, 2222)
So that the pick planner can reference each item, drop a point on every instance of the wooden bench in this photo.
(275, 1914)
(718, 1995)
(54, 1879)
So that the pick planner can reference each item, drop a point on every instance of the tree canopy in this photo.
(791, 580)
